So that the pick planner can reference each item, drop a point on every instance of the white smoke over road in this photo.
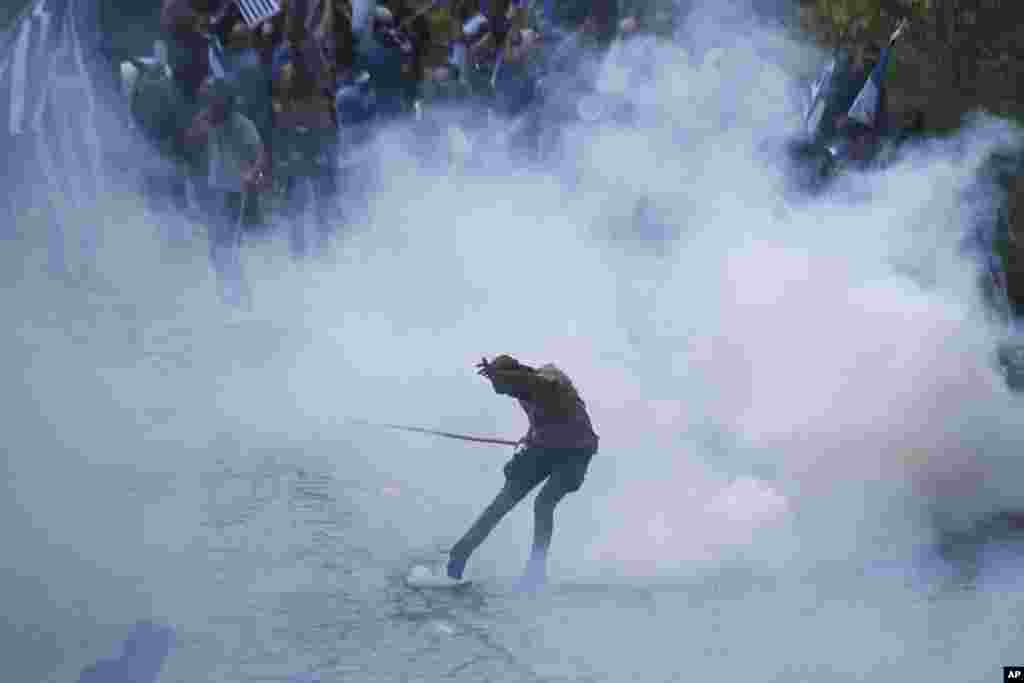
(779, 384)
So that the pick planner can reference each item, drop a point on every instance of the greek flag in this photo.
(255, 12)
(865, 108)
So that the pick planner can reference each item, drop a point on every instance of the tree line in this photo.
(960, 54)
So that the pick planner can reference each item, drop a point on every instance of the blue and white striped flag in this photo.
(865, 108)
(255, 12)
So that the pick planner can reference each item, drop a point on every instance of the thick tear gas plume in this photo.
(778, 383)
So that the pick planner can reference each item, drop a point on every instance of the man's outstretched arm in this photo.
(515, 379)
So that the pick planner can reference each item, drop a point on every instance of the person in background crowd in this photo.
(308, 67)
(248, 74)
(186, 24)
(864, 123)
(306, 138)
(237, 170)
(239, 58)
(387, 53)
(416, 28)
(160, 114)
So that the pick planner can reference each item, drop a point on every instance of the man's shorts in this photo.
(531, 466)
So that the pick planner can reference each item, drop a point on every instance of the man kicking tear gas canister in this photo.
(558, 447)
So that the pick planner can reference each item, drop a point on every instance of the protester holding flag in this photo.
(839, 86)
(557, 448)
(871, 105)
(238, 60)
(866, 121)
(310, 44)
(861, 132)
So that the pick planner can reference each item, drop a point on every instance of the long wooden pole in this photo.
(435, 432)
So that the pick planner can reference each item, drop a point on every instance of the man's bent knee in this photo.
(552, 493)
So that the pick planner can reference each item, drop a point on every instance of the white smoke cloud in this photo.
(838, 343)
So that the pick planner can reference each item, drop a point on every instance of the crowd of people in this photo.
(258, 107)
(246, 104)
